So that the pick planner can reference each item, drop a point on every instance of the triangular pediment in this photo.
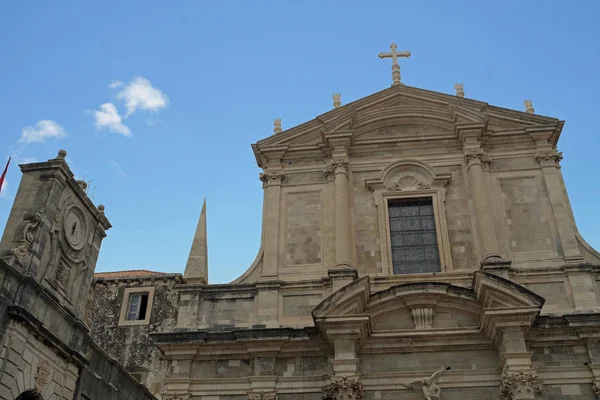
(402, 113)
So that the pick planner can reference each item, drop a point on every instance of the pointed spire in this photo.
(196, 269)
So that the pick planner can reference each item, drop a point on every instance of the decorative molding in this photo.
(520, 385)
(343, 388)
(42, 375)
(262, 395)
(423, 318)
(268, 178)
(407, 183)
(548, 158)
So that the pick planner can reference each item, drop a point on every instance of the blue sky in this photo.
(200, 81)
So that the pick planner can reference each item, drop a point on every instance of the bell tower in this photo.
(54, 232)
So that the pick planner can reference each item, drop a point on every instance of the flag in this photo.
(4, 174)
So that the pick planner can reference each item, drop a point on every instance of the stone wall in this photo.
(105, 379)
(132, 346)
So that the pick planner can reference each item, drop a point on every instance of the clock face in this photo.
(75, 227)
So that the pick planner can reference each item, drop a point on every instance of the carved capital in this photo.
(339, 164)
(476, 157)
(343, 388)
(262, 395)
(520, 385)
(548, 158)
(269, 178)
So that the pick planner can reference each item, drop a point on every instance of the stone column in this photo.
(272, 186)
(342, 212)
(474, 158)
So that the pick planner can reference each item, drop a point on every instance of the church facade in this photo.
(415, 245)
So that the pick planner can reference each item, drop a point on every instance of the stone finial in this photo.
(460, 92)
(277, 125)
(529, 106)
(101, 208)
(337, 100)
(82, 184)
(61, 154)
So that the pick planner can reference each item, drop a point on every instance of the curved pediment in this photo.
(491, 302)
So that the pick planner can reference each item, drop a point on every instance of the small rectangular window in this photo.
(413, 236)
(137, 306)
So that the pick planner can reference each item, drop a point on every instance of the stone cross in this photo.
(395, 67)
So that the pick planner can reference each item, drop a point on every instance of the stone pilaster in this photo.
(268, 303)
(272, 186)
(549, 160)
(339, 165)
(475, 157)
(519, 380)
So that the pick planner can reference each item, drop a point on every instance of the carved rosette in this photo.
(268, 178)
(520, 385)
(25, 244)
(262, 395)
(343, 388)
(476, 157)
(549, 158)
(42, 375)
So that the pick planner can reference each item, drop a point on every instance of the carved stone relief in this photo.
(343, 388)
(177, 397)
(25, 244)
(407, 183)
(42, 375)
(262, 395)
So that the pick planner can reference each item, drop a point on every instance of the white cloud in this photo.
(140, 94)
(116, 167)
(108, 117)
(44, 129)
(115, 84)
